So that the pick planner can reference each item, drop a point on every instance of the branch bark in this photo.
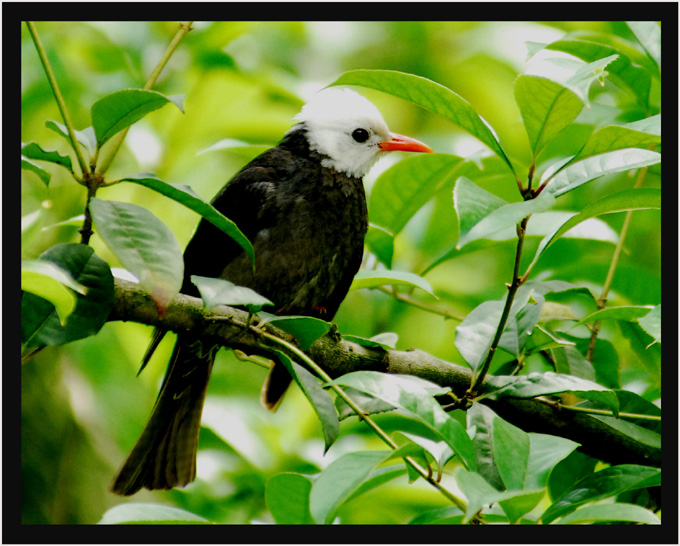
(227, 327)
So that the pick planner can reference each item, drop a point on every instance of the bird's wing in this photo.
(243, 200)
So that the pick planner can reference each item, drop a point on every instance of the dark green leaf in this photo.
(32, 150)
(386, 340)
(546, 451)
(318, 398)
(186, 196)
(480, 418)
(222, 292)
(144, 245)
(521, 503)
(120, 109)
(40, 324)
(600, 485)
(623, 312)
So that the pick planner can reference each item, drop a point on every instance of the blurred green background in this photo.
(82, 406)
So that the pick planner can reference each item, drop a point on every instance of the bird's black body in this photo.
(307, 225)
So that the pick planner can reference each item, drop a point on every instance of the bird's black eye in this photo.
(360, 135)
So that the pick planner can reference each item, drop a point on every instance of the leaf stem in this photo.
(419, 305)
(602, 300)
(595, 411)
(512, 291)
(117, 141)
(460, 503)
(42, 54)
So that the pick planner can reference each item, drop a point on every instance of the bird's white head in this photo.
(350, 131)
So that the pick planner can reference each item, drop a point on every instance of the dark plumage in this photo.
(306, 220)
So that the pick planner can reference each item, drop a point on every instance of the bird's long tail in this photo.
(165, 454)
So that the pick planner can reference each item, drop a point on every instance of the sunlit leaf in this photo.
(287, 498)
(32, 150)
(651, 323)
(144, 245)
(383, 277)
(150, 514)
(404, 188)
(546, 108)
(222, 292)
(593, 167)
(120, 109)
(429, 95)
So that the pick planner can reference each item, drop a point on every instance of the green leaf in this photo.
(481, 418)
(593, 167)
(539, 384)
(119, 110)
(415, 396)
(144, 245)
(306, 330)
(546, 108)
(42, 173)
(511, 453)
(617, 137)
(601, 485)
(386, 340)
(222, 292)
(627, 71)
(651, 323)
(40, 324)
(429, 95)
(481, 216)
(480, 493)
(581, 80)
(648, 34)
(32, 150)
(603, 513)
(287, 498)
(150, 514)
(382, 277)
(49, 281)
(85, 137)
(317, 396)
(545, 452)
(623, 312)
(186, 196)
(404, 188)
(381, 242)
(340, 480)
(639, 434)
(521, 503)
(634, 199)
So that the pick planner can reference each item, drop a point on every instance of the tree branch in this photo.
(227, 327)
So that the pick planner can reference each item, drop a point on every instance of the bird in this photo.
(302, 205)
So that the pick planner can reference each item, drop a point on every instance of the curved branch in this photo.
(227, 326)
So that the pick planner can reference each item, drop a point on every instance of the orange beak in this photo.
(404, 143)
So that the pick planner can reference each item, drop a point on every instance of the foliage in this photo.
(535, 246)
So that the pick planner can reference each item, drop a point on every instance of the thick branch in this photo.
(227, 327)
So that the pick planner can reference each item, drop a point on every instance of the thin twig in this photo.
(602, 300)
(460, 503)
(117, 141)
(419, 305)
(57, 96)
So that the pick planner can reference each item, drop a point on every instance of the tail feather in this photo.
(165, 454)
